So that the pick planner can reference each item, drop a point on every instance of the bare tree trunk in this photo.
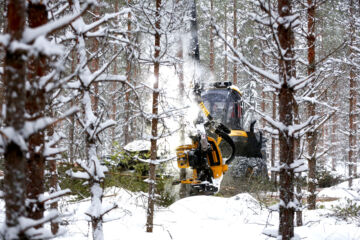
(263, 107)
(334, 131)
(226, 61)
(212, 50)
(35, 106)
(285, 35)
(96, 186)
(114, 88)
(127, 94)
(72, 135)
(298, 212)
(2, 100)
(72, 118)
(180, 73)
(311, 137)
(235, 41)
(154, 123)
(273, 145)
(15, 164)
(352, 99)
(53, 180)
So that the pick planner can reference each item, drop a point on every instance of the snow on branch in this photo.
(271, 130)
(57, 137)
(103, 126)
(298, 127)
(314, 127)
(297, 84)
(291, 130)
(30, 34)
(315, 101)
(111, 78)
(105, 18)
(78, 174)
(4, 39)
(299, 166)
(90, 79)
(27, 223)
(9, 134)
(276, 124)
(52, 196)
(31, 127)
(238, 56)
(109, 208)
(155, 162)
(49, 150)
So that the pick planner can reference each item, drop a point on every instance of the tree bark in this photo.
(53, 179)
(154, 123)
(273, 145)
(127, 94)
(334, 128)
(72, 117)
(95, 66)
(298, 212)
(312, 136)
(212, 50)
(235, 40)
(226, 61)
(285, 35)
(14, 81)
(180, 73)
(114, 89)
(35, 107)
(352, 99)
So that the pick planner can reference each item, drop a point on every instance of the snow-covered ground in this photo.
(207, 217)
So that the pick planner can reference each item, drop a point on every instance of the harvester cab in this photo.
(221, 142)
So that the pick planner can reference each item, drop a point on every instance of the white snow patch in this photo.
(138, 146)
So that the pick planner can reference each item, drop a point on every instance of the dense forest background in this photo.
(82, 79)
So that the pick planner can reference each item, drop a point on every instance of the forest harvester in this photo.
(220, 135)
(221, 144)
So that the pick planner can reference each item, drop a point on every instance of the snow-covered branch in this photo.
(30, 34)
(240, 58)
(156, 162)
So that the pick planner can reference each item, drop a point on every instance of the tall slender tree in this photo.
(285, 34)
(212, 47)
(235, 70)
(155, 120)
(311, 135)
(352, 94)
(15, 146)
(35, 107)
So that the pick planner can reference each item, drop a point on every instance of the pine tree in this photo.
(15, 163)
(35, 107)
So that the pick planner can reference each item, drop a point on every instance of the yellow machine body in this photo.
(214, 157)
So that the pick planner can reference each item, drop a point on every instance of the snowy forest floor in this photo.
(210, 217)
